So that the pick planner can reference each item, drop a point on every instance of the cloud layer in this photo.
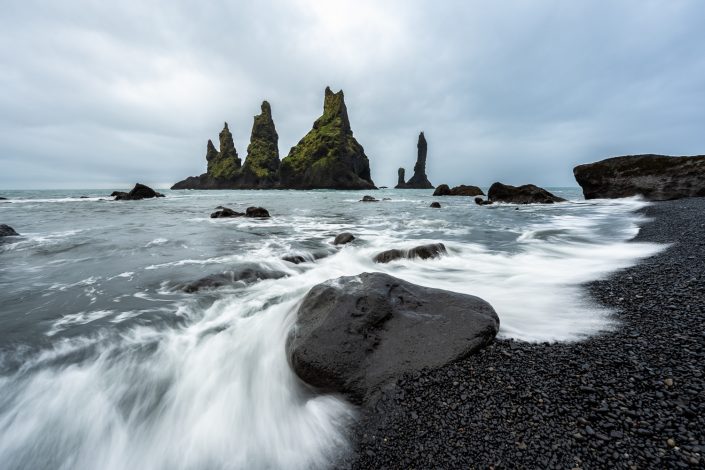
(97, 94)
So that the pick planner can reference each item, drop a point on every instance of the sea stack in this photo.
(419, 180)
(328, 157)
(262, 164)
(401, 181)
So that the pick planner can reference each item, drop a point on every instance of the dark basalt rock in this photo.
(7, 231)
(343, 238)
(481, 202)
(526, 194)
(140, 191)
(368, 199)
(462, 190)
(418, 180)
(655, 177)
(244, 275)
(434, 250)
(328, 157)
(259, 212)
(436, 205)
(401, 180)
(295, 259)
(356, 334)
(3, 198)
(225, 212)
(262, 164)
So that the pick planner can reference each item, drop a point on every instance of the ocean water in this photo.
(106, 363)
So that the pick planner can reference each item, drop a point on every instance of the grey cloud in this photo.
(104, 95)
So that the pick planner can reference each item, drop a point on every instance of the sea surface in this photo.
(106, 363)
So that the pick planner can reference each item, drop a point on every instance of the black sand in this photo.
(631, 398)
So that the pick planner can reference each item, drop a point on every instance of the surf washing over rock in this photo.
(328, 157)
(169, 346)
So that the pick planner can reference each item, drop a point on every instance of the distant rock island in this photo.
(655, 177)
(419, 180)
(328, 157)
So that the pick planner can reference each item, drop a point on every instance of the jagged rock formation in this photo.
(419, 180)
(328, 157)
(655, 177)
(262, 163)
(225, 169)
(462, 190)
(401, 181)
(526, 194)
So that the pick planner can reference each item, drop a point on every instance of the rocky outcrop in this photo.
(224, 164)
(418, 180)
(462, 190)
(356, 334)
(526, 194)
(225, 212)
(433, 250)
(262, 164)
(244, 275)
(7, 231)
(369, 199)
(401, 180)
(481, 202)
(435, 205)
(140, 191)
(343, 238)
(328, 157)
(257, 212)
(655, 177)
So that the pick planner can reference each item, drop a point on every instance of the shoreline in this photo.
(633, 397)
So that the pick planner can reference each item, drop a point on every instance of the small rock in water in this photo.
(434, 250)
(259, 212)
(139, 192)
(343, 238)
(296, 259)
(436, 205)
(7, 231)
(368, 199)
(225, 212)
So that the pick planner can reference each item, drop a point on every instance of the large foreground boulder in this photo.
(526, 194)
(7, 231)
(462, 190)
(655, 177)
(355, 334)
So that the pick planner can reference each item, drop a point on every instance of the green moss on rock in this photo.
(225, 164)
(262, 162)
(328, 156)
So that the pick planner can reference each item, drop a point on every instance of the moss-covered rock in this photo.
(262, 163)
(655, 177)
(328, 156)
(225, 164)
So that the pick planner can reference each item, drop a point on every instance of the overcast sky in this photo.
(104, 94)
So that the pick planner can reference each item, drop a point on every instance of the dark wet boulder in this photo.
(343, 238)
(7, 231)
(328, 157)
(526, 194)
(368, 199)
(258, 212)
(295, 259)
(461, 190)
(3, 198)
(139, 192)
(354, 335)
(224, 212)
(482, 202)
(436, 205)
(655, 177)
(433, 250)
(244, 275)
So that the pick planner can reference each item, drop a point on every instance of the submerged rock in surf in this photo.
(140, 191)
(258, 212)
(526, 194)
(244, 275)
(433, 250)
(7, 231)
(369, 199)
(356, 334)
(343, 238)
(436, 205)
(225, 212)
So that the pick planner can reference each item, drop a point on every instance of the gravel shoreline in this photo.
(631, 398)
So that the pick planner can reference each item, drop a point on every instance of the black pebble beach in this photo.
(630, 398)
